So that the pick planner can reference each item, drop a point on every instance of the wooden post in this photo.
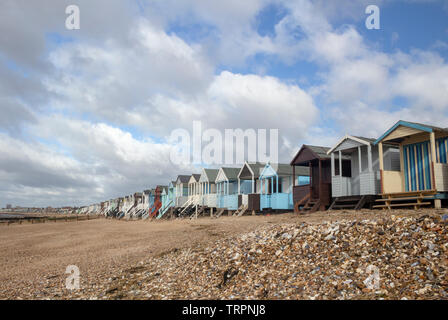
(340, 164)
(293, 176)
(320, 179)
(380, 155)
(333, 169)
(433, 159)
(359, 158)
(437, 202)
(403, 183)
(311, 180)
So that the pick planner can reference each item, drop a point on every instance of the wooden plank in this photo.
(402, 199)
(409, 193)
(403, 205)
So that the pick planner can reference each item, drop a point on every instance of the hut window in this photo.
(346, 168)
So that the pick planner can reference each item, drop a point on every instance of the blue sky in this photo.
(89, 112)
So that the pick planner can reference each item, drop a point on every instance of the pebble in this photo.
(328, 260)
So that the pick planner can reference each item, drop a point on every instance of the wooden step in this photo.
(348, 200)
(344, 206)
(410, 193)
(403, 199)
(403, 205)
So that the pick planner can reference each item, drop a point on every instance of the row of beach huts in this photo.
(404, 168)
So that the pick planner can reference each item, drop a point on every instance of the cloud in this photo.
(114, 78)
(86, 114)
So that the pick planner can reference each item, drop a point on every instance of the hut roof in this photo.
(255, 167)
(308, 153)
(211, 174)
(182, 179)
(413, 125)
(230, 173)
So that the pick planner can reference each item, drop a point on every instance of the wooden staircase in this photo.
(186, 207)
(414, 199)
(350, 202)
(220, 212)
(312, 205)
(300, 203)
(154, 211)
(165, 210)
(241, 210)
(197, 211)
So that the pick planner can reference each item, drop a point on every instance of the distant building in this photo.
(8, 206)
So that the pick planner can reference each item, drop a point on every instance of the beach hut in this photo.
(145, 199)
(317, 194)
(102, 207)
(193, 189)
(130, 207)
(154, 210)
(249, 186)
(208, 188)
(136, 206)
(276, 184)
(359, 184)
(227, 188)
(120, 206)
(165, 202)
(168, 199)
(140, 208)
(422, 178)
(150, 206)
(172, 193)
(181, 190)
(126, 206)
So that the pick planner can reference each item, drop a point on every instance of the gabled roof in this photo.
(210, 174)
(254, 167)
(231, 174)
(182, 179)
(282, 169)
(361, 140)
(414, 125)
(308, 153)
(314, 152)
(195, 177)
(163, 189)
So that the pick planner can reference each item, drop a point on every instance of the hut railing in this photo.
(300, 192)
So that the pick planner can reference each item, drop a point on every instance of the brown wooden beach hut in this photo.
(315, 196)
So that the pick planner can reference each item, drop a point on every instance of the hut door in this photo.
(417, 172)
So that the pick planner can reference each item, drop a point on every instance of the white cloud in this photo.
(127, 73)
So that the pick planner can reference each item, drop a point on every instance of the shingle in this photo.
(211, 174)
(231, 173)
(183, 178)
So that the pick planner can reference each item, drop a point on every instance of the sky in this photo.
(87, 115)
